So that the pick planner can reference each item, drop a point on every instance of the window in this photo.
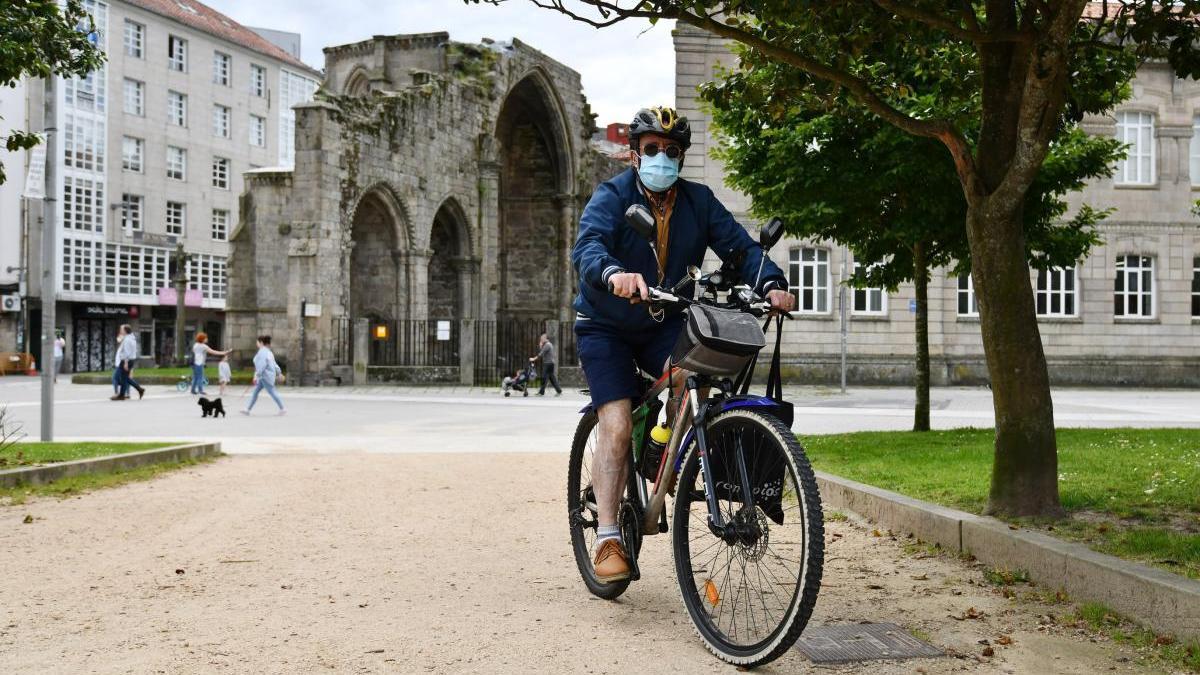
(1134, 290)
(220, 173)
(177, 54)
(134, 270)
(176, 218)
(967, 305)
(206, 273)
(258, 80)
(80, 265)
(1136, 129)
(258, 131)
(87, 92)
(1196, 287)
(221, 121)
(220, 225)
(1055, 293)
(221, 69)
(131, 154)
(135, 37)
(83, 204)
(871, 301)
(293, 89)
(83, 142)
(1194, 153)
(131, 212)
(176, 163)
(177, 108)
(808, 275)
(135, 97)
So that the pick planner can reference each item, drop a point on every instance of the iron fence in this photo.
(503, 347)
(414, 342)
(343, 341)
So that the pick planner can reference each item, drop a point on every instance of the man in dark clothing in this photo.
(615, 268)
(546, 353)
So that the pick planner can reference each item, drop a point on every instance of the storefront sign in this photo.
(191, 298)
(102, 311)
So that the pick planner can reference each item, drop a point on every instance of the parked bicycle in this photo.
(748, 537)
(185, 383)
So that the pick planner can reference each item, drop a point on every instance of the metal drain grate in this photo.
(862, 642)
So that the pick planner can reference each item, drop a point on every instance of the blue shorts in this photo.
(609, 355)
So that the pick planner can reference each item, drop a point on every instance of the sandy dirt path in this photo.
(416, 563)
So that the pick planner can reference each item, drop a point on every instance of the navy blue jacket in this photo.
(607, 244)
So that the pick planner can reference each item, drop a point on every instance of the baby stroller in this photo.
(522, 381)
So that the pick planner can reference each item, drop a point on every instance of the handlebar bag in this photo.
(717, 341)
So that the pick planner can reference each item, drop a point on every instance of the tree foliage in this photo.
(41, 39)
(834, 171)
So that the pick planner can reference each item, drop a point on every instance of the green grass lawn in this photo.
(28, 454)
(1133, 493)
(172, 374)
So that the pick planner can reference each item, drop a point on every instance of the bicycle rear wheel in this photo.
(581, 510)
(750, 593)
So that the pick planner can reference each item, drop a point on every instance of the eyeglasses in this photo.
(652, 149)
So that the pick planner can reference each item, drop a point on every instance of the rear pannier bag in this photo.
(717, 341)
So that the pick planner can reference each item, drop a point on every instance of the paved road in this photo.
(452, 419)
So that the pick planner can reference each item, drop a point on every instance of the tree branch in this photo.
(950, 26)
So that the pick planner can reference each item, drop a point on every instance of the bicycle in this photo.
(185, 383)
(748, 538)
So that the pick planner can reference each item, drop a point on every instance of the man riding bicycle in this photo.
(616, 269)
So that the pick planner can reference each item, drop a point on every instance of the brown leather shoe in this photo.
(118, 397)
(611, 563)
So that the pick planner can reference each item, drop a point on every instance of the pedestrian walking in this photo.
(546, 353)
(224, 374)
(60, 346)
(117, 378)
(200, 352)
(266, 370)
(127, 355)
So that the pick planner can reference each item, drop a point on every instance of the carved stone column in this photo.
(488, 279)
(418, 283)
(468, 273)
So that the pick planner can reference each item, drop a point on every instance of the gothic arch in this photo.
(379, 235)
(452, 268)
(357, 83)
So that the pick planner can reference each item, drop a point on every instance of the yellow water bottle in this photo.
(656, 446)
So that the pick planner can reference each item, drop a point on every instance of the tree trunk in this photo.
(921, 281)
(1025, 465)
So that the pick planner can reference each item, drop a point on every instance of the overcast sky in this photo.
(624, 67)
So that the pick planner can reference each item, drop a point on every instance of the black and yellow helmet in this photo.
(660, 120)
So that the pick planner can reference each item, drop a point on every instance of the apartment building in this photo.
(149, 154)
(1127, 314)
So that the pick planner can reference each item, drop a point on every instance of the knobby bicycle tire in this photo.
(575, 491)
(808, 581)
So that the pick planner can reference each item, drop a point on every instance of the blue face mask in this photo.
(658, 173)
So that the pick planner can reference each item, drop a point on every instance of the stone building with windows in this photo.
(149, 154)
(435, 196)
(1129, 313)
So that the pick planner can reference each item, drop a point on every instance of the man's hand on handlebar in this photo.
(630, 285)
(781, 301)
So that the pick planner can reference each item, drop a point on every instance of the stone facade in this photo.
(1089, 344)
(433, 180)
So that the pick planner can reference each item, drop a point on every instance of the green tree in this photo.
(841, 173)
(1031, 63)
(40, 38)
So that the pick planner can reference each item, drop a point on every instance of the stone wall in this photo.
(489, 141)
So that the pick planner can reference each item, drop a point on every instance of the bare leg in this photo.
(610, 466)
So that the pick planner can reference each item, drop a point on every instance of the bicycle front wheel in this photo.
(750, 592)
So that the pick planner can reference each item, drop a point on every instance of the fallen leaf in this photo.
(179, 570)
(875, 587)
(28, 519)
(1004, 640)
(988, 651)
(373, 651)
(920, 577)
(876, 533)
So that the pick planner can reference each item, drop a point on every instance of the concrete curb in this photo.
(40, 475)
(1166, 602)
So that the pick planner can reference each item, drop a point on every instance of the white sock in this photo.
(604, 532)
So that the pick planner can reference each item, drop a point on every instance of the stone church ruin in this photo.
(427, 225)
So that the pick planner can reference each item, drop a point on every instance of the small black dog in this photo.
(213, 407)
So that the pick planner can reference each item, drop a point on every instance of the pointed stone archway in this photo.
(535, 217)
(452, 268)
(378, 274)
